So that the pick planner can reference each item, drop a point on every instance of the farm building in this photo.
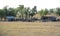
(10, 18)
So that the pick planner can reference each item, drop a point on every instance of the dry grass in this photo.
(29, 28)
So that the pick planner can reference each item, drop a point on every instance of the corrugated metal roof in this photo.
(10, 17)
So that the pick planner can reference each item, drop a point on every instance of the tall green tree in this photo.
(33, 11)
(21, 10)
(51, 10)
(58, 11)
(43, 12)
(46, 11)
(11, 12)
(27, 12)
(5, 10)
(2, 13)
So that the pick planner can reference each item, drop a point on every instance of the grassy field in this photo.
(29, 28)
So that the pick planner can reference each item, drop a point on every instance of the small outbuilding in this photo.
(48, 18)
(10, 18)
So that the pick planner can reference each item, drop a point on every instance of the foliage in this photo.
(21, 10)
(2, 13)
(51, 10)
(33, 11)
(11, 12)
(46, 12)
(26, 12)
(58, 11)
(43, 12)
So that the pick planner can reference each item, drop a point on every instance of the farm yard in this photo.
(39, 18)
(29, 28)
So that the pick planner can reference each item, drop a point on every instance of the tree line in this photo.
(26, 12)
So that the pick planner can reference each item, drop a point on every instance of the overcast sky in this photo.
(41, 4)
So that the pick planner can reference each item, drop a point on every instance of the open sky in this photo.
(41, 4)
